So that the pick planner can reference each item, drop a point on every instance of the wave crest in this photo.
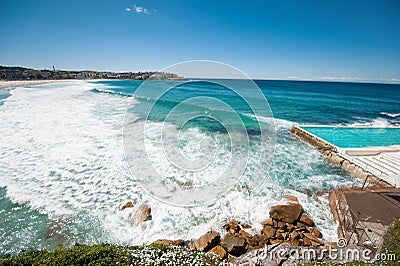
(392, 115)
(111, 92)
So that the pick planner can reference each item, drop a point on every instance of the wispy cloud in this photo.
(139, 9)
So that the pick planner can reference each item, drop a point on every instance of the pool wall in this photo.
(330, 151)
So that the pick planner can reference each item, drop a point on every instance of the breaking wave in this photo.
(392, 115)
(63, 163)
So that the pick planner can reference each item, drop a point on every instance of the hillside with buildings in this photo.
(21, 73)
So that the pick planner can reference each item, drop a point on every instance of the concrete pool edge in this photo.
(338, 157)
(350, 205)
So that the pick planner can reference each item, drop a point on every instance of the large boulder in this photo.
(306, 220)
(219, 252)
(167, 242)
(245, 235)
(269, 222)
(235, 245)
(268, 231)
(232, 227)
(207, 241)
(257, 241)
(286, 213)
(142, 214)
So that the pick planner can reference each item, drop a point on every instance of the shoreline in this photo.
(7, 85)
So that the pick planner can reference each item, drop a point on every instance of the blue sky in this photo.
(265, 39)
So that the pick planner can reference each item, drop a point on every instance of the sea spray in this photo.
(63, 161)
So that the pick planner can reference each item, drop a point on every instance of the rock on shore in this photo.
(288, 224)
(141, 214)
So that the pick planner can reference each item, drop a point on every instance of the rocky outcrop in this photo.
(286, 213)
(234, 245)
(141, 214)
(234, 226)
(207, 241)
(306, 220)
(167, 242)
(288, 223)
(268, 231)
(220, 252)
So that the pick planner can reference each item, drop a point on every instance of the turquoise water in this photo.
(63, 174)
(321, 103)
(344, 137)
(3, 95)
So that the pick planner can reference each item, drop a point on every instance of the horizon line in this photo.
(343, 79)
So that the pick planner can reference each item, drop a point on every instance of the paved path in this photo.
(374, 206)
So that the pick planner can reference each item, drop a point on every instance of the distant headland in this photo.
(21, 73)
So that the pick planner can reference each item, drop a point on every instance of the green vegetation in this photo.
(108, 254)
(391, 242)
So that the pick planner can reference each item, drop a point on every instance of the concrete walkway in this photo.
(374, 206)
(383, 162)
(365, 215)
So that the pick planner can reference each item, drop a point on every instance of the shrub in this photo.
(108, 254)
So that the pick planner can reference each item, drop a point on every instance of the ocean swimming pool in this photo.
(356, 137)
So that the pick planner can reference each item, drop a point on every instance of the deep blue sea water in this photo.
(63, 173)
(304, 102)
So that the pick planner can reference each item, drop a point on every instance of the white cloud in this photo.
(127, 9)
(139, 9)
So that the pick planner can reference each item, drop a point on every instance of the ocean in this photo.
(64, 173)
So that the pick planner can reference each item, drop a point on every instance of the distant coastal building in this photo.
(20, 73)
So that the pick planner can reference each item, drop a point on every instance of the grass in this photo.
(109, 254)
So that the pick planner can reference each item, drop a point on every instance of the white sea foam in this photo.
(376, 123)
(393, 115)
(278, 123)
(62, 154)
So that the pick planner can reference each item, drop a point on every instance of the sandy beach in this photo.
(9, 84)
